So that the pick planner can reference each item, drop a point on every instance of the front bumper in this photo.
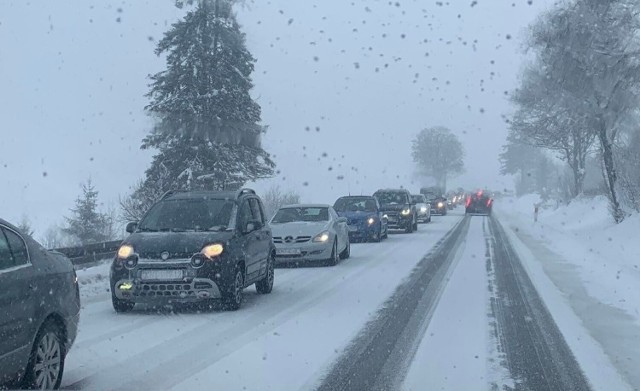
(362, 230)
(399, 221)
(309, 251)
(195, 284)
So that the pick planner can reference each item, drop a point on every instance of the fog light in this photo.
(125, 286)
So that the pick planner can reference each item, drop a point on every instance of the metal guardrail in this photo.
(91, 253)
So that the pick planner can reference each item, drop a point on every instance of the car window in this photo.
(18, 248)
(256, 211)
(6, 258)
(391, 198)
(355, 205)
(245, 214)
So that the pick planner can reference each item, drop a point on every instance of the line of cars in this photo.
(196, 248)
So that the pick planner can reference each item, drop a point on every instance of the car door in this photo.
(381, 215)
(263, 238)
(17, 302)
(250, 247)
(341, 228)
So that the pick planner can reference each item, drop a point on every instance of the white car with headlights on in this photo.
(423, 208)
(310, 233)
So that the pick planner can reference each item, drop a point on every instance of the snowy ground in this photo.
(587, 270)
(283, 341)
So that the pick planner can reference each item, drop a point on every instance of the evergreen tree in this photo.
(87, 225)
(208, 132)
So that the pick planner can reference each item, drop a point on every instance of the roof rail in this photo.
(245, 191)
(170, 193)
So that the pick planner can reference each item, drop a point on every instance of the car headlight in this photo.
(371, 221)
(321, 238)
(213, 250)
(125, 251)
(423, 209)
(440, 204)
(406, 212)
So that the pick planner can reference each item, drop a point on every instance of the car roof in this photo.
(393, 190)
(219, 195)
(356, 196)
(305, 206)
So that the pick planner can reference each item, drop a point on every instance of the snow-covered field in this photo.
(587, 270)
(283, 341)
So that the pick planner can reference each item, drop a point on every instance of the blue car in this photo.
(366, 222)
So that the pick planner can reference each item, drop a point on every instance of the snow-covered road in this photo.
(449, 307)
(283, 341)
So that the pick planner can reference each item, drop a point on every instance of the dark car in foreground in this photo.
(39, 311)
(365, 218)
(479, 203)
(399, 209)
(195, 247)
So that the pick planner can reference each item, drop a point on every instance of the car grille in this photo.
(165, 290)
(298, 239)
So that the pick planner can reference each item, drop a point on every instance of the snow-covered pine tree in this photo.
(208, 132)
(87, 225)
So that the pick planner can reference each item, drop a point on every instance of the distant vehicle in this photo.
(479, 203)
(195, 247)
(437, 201)
(399, 208)
(39, 307)
(423, 208)
(311, 232)
(365, 219)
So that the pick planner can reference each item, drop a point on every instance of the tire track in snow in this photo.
(537, 354)
(379, 357)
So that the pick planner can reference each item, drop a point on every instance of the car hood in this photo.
(357, 216)
(299, 228)
(393, 207)
(178, 244)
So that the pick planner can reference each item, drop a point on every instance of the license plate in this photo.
(353, 228)
(288, 251)
(161, 275)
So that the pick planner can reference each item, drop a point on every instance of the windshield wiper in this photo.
(218, 228)
(166, 229)
(145, 229)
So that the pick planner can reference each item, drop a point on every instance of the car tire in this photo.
(429, 219)
(415, 224)
(232, 298)
(409, 228)
(386, 234)
(47, 355)
(334, 254)
(265, 286)
(122, 306)
(377, 236)
(346, 253)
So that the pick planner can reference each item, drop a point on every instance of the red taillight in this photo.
(489, 202)
(468, 202)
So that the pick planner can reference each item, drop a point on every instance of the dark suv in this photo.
(39, 311)
(398, 207)
(195, 247)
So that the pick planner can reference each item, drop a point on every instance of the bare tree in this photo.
(25, 226)
(438, 153)
(591, 47)
(275, 197)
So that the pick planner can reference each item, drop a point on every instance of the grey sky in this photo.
(368, 74)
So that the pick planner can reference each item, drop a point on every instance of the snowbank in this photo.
(93, 281)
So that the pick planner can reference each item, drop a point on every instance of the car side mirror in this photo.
(253, 225)
(342, 220)
(131, 227)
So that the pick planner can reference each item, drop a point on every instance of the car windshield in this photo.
(391, 198)
(301, 214)
(198, 214)
(417, 199)
(355, 205)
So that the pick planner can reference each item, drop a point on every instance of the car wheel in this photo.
(46, 362)
(415, 224)
(409, 228)
(265, 285)
(377, 236)
(233, 297)
(386, 233)
(429, 219)
(121, 306)
(346, 253)
(334, 254)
